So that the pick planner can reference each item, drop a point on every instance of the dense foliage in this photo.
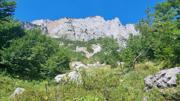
(109, 52)
(9, 29)
(57, 63)
(27, 55)
(159, 37)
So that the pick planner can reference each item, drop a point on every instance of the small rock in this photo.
(96, 65)
(120, 63)
(96, 48)
(75, 76)
(17, 91)
(77, 65)
(145, 98)
(59, 78)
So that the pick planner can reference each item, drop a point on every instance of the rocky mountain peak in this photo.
(85, 29)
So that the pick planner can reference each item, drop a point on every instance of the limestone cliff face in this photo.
(87, 28)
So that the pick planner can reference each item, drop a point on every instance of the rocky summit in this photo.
(85, 29)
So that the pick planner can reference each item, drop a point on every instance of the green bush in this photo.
(133, 49)
(109, 53)
(27, 55)
(57, 63)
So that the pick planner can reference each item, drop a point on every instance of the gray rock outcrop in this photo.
(87, 29)
(73, 76)
(164, 78)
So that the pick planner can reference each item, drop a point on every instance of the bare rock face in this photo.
(164, 78)
(95, 47)
(87, 28)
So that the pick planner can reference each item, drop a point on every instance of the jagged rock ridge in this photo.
(87, 28)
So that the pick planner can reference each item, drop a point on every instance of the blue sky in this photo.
(128, 11)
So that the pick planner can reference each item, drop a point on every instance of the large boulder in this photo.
(164, 78)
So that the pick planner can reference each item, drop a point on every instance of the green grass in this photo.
(99, 84)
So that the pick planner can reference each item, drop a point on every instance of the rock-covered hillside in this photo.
(86, 29)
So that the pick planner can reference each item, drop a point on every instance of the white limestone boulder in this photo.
(17, 91)
(59, 78)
